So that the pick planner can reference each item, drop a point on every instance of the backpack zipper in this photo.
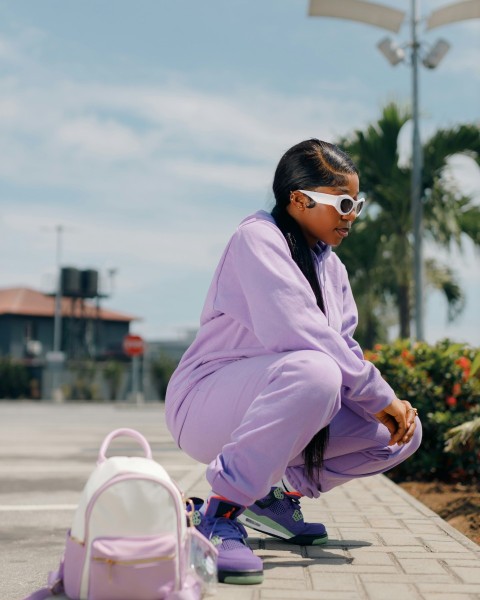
(138, 561)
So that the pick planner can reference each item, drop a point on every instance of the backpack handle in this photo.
(126, 432)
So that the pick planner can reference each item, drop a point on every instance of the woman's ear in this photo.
(297, 200)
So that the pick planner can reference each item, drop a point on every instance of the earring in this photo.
(299, 205)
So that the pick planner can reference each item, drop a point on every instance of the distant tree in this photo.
(83, 386)
(383, 276)
(162, 368)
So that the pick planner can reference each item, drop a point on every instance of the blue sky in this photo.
(149, 129)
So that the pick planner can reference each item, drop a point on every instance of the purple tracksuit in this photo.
(268, 369)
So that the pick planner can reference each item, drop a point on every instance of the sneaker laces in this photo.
(293, 499)
(228, 532)
(280, 502)
(297, 514)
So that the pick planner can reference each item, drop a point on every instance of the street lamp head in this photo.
(391, 51)
(436, 54)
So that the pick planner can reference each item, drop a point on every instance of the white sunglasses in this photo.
(343, 203)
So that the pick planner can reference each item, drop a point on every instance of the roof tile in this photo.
(25, 301)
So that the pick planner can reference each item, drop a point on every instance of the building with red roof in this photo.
(88, 330)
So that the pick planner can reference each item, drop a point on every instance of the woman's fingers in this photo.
(398, 435)
(410, 431)
(399, 418)
(410, 412)
(411, 425)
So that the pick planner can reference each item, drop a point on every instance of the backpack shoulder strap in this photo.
(54, 585)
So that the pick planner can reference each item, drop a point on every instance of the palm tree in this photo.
(369, 273)
(449, 215)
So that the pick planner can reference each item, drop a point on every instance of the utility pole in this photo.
(57, 324)
(56, 358)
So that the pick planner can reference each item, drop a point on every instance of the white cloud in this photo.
(144, 243)
(134, 146)
(100, 139)
(464, 63)
(228, 175)
(7, 51)
(8, 110)
(466, 173)
(151, 179)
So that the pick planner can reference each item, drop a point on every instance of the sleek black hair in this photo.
(309, 164)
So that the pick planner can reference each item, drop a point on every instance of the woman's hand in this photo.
(399, 418)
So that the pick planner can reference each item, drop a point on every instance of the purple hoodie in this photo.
(259, 302)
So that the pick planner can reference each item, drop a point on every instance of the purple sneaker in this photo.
(279, 514)
(236, 562)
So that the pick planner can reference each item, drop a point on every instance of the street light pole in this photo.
(417, 163)
(391, 19)
(57, 322)
(56, 358)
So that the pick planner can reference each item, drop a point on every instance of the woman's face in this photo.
(321, 222)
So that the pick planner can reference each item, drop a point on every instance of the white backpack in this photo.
(129, 538)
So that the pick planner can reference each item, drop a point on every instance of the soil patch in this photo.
(456, 503)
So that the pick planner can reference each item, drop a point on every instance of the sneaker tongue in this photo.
(221, 507)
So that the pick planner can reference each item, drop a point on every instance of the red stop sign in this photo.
(133, 345)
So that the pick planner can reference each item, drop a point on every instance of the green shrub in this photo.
(442, 382)
(83, 386)
(14, 380)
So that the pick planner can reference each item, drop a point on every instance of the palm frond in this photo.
(442, 278)
(462, 435)
(463, 139)
(375, 150)
(469, 223)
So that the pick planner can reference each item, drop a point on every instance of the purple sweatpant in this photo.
(251, 419)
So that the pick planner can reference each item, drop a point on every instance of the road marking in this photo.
(70, 469)
(185, 483)
(35, 507)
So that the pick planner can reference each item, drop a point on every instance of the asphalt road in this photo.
(47, 452)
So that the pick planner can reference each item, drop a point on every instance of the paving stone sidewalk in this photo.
(384, 544)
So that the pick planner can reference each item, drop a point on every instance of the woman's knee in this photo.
(317, 368)
(318, 375)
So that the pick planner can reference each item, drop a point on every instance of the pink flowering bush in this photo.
(443, 383)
